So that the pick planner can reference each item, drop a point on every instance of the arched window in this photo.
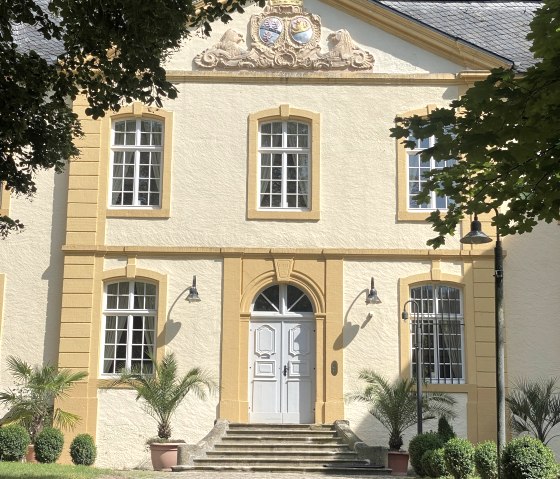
(129, 327)
(442, 333)
(283, 299)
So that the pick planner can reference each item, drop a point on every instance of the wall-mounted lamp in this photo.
(193, 292)
(372, 297)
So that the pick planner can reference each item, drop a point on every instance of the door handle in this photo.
(285, 372)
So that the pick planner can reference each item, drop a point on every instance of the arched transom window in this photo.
(282, 299)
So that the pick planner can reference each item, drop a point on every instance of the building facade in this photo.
(272, 178)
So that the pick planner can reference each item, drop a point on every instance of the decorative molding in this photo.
(283, 268)
(285, 37)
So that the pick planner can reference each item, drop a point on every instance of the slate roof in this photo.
(500, 27)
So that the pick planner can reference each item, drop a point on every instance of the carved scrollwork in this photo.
(285, 37)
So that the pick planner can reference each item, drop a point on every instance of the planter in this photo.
(397, 461)
(30, 454)
(164, 455)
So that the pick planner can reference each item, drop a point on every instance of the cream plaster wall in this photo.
(193, 332)
(532, 302)
(371, 339)
(358, 169)
(32, 263)
(392, 55)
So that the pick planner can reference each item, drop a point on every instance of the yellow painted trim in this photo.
(4, 201)
(284, 113)
(323, 78)
(244, 279)
(355, 253)
(137, 110)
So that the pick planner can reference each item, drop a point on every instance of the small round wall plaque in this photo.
(301, 30)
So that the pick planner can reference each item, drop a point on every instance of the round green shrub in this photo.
(419, 445)
(459, 457)
(486, 460)
(83, 450)
(14, 440)
(527, 457)
(445, 430)
(48, 445)
(433, 463)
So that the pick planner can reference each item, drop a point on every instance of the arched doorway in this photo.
(282, 357)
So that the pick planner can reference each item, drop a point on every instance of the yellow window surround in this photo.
(283, 113)
(4, 200)
(135, 111)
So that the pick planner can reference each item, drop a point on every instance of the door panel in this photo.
(282, 371)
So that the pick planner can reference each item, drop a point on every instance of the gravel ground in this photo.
(240, 475)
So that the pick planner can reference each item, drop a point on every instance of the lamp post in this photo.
(418, 349)
(476, 236)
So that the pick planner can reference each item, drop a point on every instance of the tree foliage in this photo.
(535, 407)
(163, 391)
(31, 402)
(394, 404)
(111, 51)
(504, 130)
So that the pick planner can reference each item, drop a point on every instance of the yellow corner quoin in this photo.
(4, 201)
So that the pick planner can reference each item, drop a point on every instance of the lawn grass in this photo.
(17, 470)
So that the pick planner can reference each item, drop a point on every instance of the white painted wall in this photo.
(358, 169)
(32, 262)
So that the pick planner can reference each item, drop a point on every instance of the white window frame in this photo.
(284, 150)
(428, 319)
(283, 310)
(137, 149)
(432, 206)
(129, 313)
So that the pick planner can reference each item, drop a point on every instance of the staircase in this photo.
(281, 447)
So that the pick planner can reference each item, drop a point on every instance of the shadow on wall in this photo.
(172, 327)
(350, 330)
(54, 272)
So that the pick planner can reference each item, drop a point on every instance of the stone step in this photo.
(287, 446)
(320, 470)
(282, 461)
(282, 438)
(278, 432)
(293, 454)
(287, 427)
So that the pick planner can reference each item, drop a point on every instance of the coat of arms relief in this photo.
(285, 36)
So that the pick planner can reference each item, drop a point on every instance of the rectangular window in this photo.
(441, 330)
(136, 169)
(129, 327)
(284, 165)
(417, 167)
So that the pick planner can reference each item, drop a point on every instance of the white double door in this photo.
(282, 371)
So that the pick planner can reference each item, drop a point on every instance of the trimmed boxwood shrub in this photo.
(83, 450)
(486, 460)
(433, 463)
(418, 445)
(48, 445)
(14, 440)
(527, 457)
(459, 457)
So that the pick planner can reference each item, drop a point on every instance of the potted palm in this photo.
(31, 401)
(394, 405)
(162, 392)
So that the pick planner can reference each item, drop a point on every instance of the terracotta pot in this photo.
(164, 455)
(397, 461)
(30, 454)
